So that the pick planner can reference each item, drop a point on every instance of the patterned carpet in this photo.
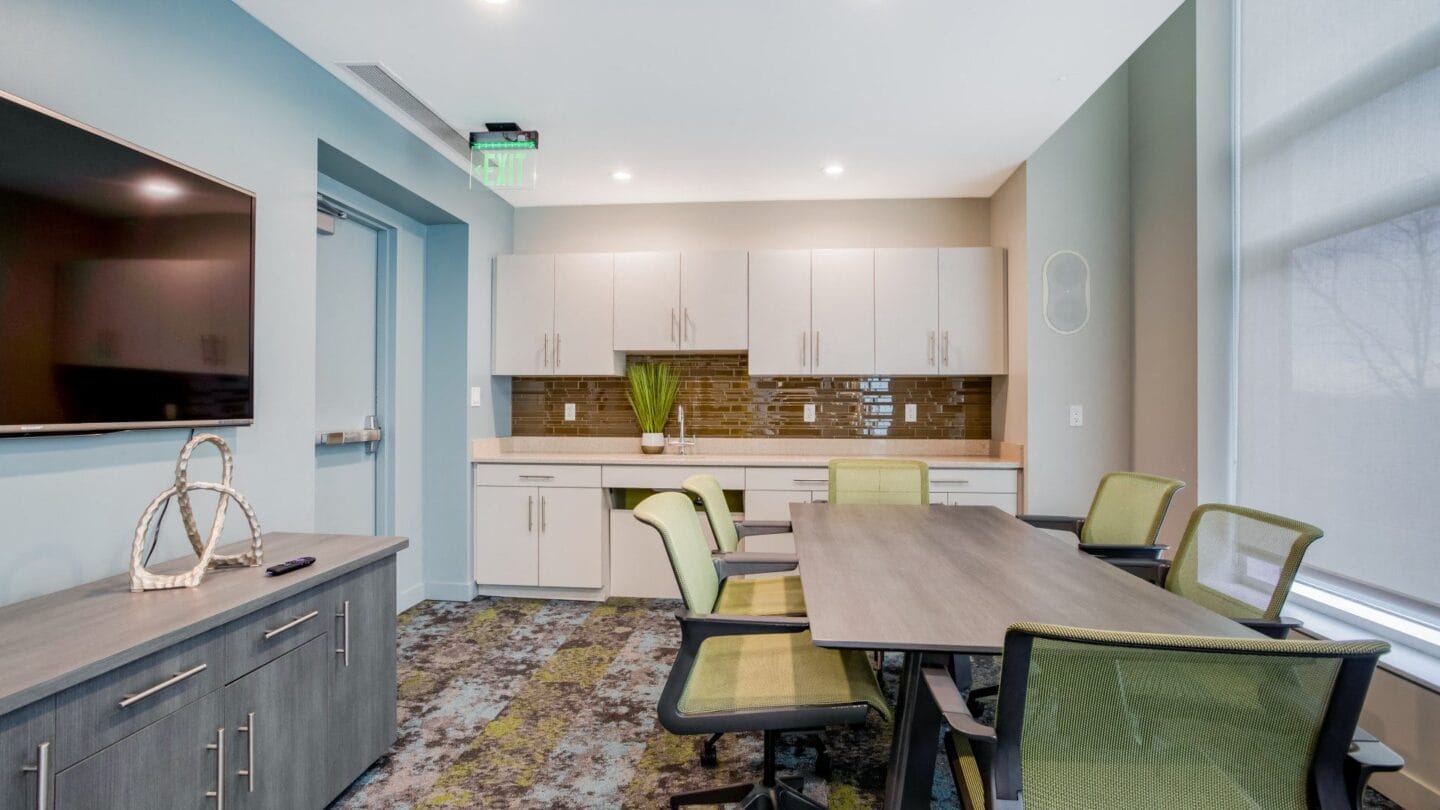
(514, 703)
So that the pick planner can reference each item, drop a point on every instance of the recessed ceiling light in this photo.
(834, 170)
(160, 189)
(621, 175)
(496, 2)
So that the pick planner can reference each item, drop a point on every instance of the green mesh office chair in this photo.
(1077, 726)
(728, 531)
(880, 480)
(747, 673)
(1238, 562)
(1124, 517)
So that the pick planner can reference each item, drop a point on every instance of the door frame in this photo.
(386, 271)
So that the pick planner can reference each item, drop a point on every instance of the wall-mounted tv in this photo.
(126, 284)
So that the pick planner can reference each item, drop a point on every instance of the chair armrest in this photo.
(1367, 756)
(752, 562)
(708, 625)
(750, 528)
(952, 706)
(1059, 522)
(1124, 552)
(1154, 570)
(1274, 628)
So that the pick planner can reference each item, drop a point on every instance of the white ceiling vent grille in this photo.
(381, 81)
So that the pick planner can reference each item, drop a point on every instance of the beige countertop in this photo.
(939, 453)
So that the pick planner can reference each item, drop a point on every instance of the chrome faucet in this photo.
(682, 443)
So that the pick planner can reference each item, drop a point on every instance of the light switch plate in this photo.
(910, 412)
(1077, 416)
(475, 396)
(569, 412)
(809, 412)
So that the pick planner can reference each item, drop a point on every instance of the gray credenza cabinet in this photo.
(280, 703)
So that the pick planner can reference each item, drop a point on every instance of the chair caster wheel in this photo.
(708, 757)
(822, 766)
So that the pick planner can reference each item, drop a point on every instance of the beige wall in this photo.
(1007, 230)
(952, 222)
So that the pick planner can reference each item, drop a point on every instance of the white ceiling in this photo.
(705, 100)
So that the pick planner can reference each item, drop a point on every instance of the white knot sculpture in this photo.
(142, 579)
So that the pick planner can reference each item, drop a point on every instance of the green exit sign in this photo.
(504, 168)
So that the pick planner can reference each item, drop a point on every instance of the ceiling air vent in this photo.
(381, 81)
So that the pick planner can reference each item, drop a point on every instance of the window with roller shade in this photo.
(1338, 341)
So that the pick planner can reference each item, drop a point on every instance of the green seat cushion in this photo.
(761, 596)
(968, 779)
(778, 670)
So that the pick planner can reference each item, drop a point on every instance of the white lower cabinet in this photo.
(545, 536)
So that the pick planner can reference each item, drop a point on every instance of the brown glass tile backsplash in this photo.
(722, 399)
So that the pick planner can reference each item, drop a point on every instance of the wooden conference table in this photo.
(933, 581)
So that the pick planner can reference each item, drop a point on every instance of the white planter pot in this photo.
(652, 443)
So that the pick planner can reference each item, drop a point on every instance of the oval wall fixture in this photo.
(1065, 292)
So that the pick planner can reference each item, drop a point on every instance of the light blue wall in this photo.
(203, 83)
(1078, 198)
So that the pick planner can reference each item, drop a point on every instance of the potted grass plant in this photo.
(652, 394)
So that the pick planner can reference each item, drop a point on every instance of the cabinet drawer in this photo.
(772, 504)
(972, 480)
(640, 476)
(787, 478)
(271, 632)
(536, 475)
(90, 716)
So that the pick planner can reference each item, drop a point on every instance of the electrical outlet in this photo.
(475, 396)
(1077, 416)
(569, 412)
(911, 412)
(809, 412)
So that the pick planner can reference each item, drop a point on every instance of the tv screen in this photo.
(125, 284)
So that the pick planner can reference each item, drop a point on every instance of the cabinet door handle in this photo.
(945, 349)
(804, 344)
(131, 700)
(684, 324)
(545, 352)
(536, 477)
(944, 481)
(557, 349)
(344, 617)
(542, 513)
(291, 625)
(218, 794)
(817, 348)
(930, 357)
(529, 513)
(249, 731)
(810, 480)
(41, 769)
(673, 324)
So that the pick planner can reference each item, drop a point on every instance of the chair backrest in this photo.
(1093, 719)
(707, 488)
(880, 480)
(1239, 562)
(673, 515)
(1128, 509)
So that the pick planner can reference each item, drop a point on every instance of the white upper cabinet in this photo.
(713, 300)
(972, 311)
(779, 313)
(842, 312)
(584, 287)
(647, 302)
(906, 313)
(524, 314)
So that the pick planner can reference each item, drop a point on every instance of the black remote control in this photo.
(287, 567)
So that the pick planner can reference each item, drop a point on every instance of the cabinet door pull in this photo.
(945, 349)
(41, 769)
(218, 794)
(804, 344)
(536, 477)
(557, 350)
(944, 481)
(131, 700)
(545, 352)
(290, 625)
(530, 513)
(930, 357)
(249, 731)
(810, 480)
(542, 513)
(684, 324)
(344, 617)
(673, 324)
(817, 348)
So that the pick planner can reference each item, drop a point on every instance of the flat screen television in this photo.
(126, 284)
